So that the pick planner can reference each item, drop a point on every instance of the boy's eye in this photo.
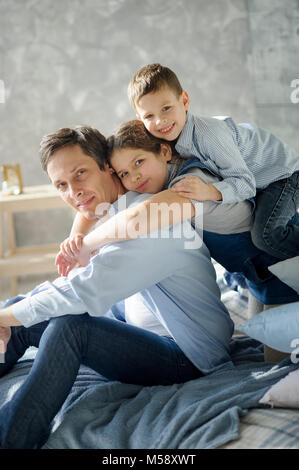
(138, 162)
(123, 174)
(148, 116)
(166, 108)
(80, 172)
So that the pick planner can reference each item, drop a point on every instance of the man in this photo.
(192, 328)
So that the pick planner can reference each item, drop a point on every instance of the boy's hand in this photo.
(5, 334)
(193, 187)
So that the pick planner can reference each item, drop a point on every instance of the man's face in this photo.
(163, 113)
(80, 181)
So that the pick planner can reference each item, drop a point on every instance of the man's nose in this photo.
(75, 192)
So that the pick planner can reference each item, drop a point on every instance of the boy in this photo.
(251, 161)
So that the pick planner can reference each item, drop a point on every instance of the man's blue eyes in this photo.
(61, 185)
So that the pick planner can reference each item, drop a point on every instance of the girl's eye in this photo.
(148, 116)
(166, 108)
(138, 162)
(123, 174)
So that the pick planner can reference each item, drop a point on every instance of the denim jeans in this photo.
(274, 229)
(113, 348)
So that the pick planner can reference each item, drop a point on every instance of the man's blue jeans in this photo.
(274, 229)
(109, 346)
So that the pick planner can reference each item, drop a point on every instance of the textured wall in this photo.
(69, 62)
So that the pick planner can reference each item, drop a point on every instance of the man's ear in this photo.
(109, 169)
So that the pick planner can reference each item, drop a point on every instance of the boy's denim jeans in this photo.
(274, 229)
(111, 347)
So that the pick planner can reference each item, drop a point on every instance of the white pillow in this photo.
(288, 272)
(277, 327)
(285, 393)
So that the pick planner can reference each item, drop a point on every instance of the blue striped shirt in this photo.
(244, 156)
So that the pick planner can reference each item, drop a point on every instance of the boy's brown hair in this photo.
(152, 78)
(91, 141)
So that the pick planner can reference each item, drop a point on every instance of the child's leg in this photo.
(274, 229)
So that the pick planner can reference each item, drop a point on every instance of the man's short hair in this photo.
(91, 141)
(152, 78)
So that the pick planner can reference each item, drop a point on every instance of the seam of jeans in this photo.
(266, 239)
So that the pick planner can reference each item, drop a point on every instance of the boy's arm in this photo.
(160, 210)
(193, 187)
(212, 139)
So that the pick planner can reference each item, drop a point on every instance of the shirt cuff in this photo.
(24, 312)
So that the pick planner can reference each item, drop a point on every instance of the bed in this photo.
(219, 411)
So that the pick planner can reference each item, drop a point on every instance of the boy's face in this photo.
(163, 113)
(140, 170)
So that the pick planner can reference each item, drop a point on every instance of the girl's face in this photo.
(140, 170)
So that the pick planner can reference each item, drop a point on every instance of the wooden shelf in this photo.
(35, 259)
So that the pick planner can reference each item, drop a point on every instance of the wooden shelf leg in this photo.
(13, 286)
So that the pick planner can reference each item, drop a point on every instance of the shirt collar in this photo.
(185, 138)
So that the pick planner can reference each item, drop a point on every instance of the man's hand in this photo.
(5, 334)
(193, 187)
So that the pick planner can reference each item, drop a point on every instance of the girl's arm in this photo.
(160, 210)
(81, 225)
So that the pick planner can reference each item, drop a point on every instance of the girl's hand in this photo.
(193, 187)
(71, 246)
(72, 254)
(5, 334)
(67, 258)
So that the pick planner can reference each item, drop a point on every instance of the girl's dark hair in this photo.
(133, 134)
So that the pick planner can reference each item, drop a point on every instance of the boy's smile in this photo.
(163, 112)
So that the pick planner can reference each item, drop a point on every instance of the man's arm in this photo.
(7, 317)
(118, 271)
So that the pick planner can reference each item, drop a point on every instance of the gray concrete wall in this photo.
(68, 62)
